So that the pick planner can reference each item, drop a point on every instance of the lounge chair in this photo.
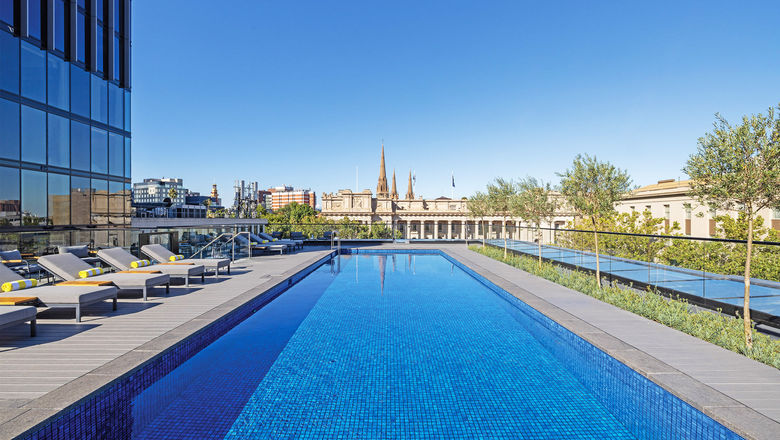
(81, 252)
(258, 245)
(122, 260)
(71, 297)
(14, 315)
(67, 266)
(162, 255)
(297, 236)
(16, 262)
(262, 236)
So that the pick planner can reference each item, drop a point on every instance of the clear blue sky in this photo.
(301, 93)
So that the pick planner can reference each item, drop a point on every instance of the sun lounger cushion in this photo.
(13, 255)
(11, 286)
(79, 251)
(90, 272)
(140, 263)
(16, 314)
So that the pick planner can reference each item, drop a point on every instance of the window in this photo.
(9, 130)
(99, 99)
(115, 154)
(34, 18)
(115, 106)
(99, 151)
(59, 25)
(7, 11)
(81, 36)
(127, 158)
(128, 200)
(33, 198)
(776, 214)
(80, 198)
(59, 141)
(33, 72)
(59, 82)
(9, 62)
(99, 202)
(667, 211)
(117, 58)
(79, 146)
(100, 47)
(33, 135)
(116, 202)
(10, 202)
(127, 110)
(79, 91)
(59, 199)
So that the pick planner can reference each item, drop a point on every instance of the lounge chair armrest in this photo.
(138, 271)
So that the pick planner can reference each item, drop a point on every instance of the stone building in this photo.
(418, 218)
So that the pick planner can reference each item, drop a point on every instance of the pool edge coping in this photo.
(35, 414)
(720, 407)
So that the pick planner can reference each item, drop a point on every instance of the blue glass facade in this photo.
(64, 113)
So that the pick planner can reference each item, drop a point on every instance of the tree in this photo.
(172, 193)
(536, 203)
(499, 196)
(738, 167)
(478, 208)
(592, 188)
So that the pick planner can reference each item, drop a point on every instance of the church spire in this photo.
(410, 191)
(394, 192)
(381, 186)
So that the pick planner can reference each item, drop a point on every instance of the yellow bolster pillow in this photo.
(140, 263)
(265, 241)
(18, 285)
(90, 272)
(254, 243)
(176, 257)
(274, 239)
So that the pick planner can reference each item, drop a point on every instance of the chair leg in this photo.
(203, 277)
(144, 290)
(113, 306)
(78, 313)
(33, 330)
(187, 281)
(167, 288)
(228, 269)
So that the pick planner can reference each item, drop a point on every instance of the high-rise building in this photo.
(282, 196)
(64, 113)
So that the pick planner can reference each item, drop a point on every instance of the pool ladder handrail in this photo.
(231, 240)
(335, 239)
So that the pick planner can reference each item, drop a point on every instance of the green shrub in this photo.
(716, 328)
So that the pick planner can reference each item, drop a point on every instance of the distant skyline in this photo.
(302, 93)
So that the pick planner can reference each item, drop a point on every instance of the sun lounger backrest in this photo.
(79, 251)
(11, 255)
(66, 266)
(7, 275)
(117, 257)
(157, 252)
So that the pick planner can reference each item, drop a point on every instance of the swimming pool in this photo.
(403, 345)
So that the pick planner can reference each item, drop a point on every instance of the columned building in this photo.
(64, 114)
(418, 218)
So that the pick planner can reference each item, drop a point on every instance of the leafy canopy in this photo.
(592, 187)
(535, 202)
(738, 166)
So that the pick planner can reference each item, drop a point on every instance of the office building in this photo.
(282, 196)
(64, 113)
(157, 190)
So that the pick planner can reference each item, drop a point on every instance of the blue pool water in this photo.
(406, 346)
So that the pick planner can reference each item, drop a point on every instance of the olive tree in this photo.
(592, 188)
(535, 202)
(738, 167)
(500, 200)
(479, 209)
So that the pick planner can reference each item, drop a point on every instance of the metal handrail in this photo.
(232, 240)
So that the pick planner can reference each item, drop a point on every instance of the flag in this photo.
(453, 180)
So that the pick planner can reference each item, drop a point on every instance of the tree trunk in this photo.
(596, 242)
(746, 309)
(539, 239)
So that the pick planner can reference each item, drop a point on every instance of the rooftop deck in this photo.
(68, 361)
